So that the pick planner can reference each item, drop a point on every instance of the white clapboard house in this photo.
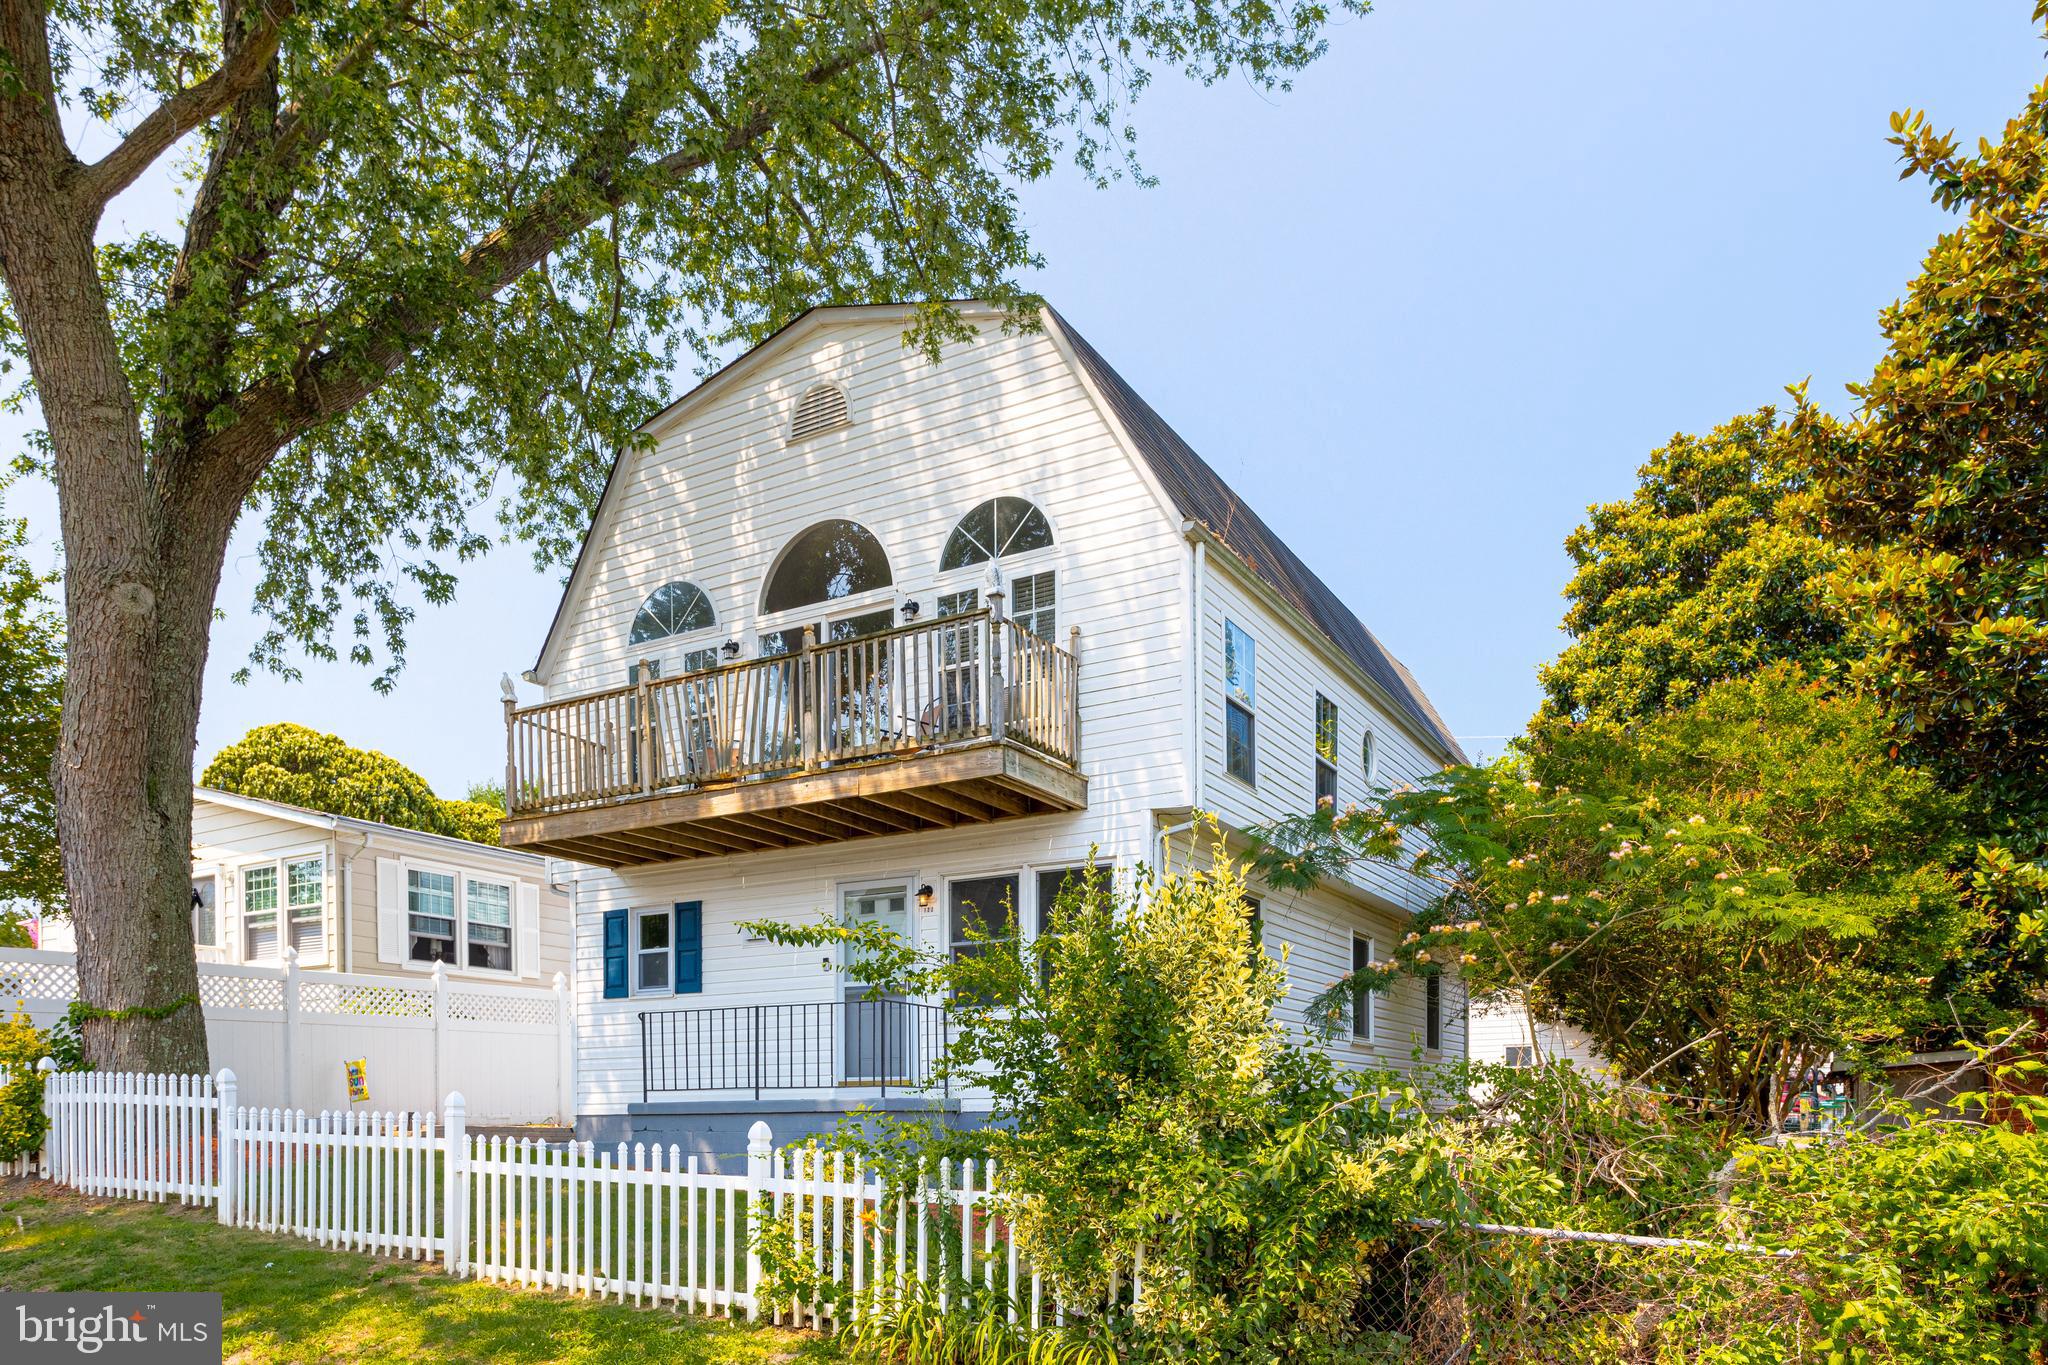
(857, 634)
(438, 963)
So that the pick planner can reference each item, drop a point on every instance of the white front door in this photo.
(874, 1032)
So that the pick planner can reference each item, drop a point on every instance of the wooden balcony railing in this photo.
(958, 680)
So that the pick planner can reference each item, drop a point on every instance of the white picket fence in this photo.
(641, 1223)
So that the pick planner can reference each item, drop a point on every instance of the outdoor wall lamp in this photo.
(924, 897)
(909, 610)
(730, 649)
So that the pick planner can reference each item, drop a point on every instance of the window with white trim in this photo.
(282, 902)
(205, 911)
(1368, 758)
(1031, 603)
(653, 952)
(1363, 955)
(305, 889)
(1240, 704)
(461, 918)
(1326, 750)
(487, 923)
(1433, 1012)
(259, 912)
(430, 915)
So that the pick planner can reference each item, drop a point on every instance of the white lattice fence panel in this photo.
(476, 1007)
(363, 1000)
(240, 992)
(37, 981)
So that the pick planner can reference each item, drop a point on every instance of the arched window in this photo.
(1366, 758)
(672, 609)
(831, 560)
(997, 529)
(822, 408)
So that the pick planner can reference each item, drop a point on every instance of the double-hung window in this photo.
(460, 918)
(1031, 603)
(1362, 958)
(259, 912)
(1326, 750)
(487, 923)
(282, 902)
(653, 945)
(430, 915)
(305, 890)
(1240, 704)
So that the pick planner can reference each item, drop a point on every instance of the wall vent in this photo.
(822, 408)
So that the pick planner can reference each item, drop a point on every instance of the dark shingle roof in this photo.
(1201, 495)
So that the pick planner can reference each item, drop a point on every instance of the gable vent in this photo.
(822, 408)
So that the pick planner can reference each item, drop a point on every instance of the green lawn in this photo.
(289, 1301)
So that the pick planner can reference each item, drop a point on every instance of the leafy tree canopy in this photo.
(31, 708)
(1937, 487)
(450, 251)
(1696, 577)
(1723, 894)
(303, 767)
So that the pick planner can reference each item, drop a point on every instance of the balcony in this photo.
(963, 720)
(879, 1045)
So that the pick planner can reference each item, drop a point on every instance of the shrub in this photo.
(1146, 1097)
(22, 1123)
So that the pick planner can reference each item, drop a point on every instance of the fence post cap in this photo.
(226, 1077)
(760, 1138)
(454, 1103)
(561, 980)
(290, 955)
(47, 1064)
(440, 971)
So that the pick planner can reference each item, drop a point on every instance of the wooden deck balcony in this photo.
(962, 720)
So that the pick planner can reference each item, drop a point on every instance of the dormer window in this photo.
(997, 529)
(826, 562)
(821, 409)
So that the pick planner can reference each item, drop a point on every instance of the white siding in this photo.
(556, 907)
(1291, 671)
(720, 494)
(798, 886)
(1311, 935)
(226, 839)
(1499, 1022)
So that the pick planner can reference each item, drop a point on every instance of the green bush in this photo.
(1146, 1097)
(22, 1123)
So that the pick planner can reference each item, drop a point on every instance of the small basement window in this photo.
(821, 409)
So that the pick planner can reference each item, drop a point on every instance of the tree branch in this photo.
(245, 65)
(271, 414)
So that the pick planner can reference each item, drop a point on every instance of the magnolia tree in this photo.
(1722, 896)
(439, 256)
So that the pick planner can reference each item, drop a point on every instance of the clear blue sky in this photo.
(1420, 312)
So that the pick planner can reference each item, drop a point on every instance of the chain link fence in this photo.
(1472, 1292)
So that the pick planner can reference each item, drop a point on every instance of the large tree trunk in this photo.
(139, 578)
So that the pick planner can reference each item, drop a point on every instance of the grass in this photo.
(285, 1300)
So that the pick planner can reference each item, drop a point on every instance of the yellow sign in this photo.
(358, 1080)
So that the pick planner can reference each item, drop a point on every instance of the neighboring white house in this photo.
(361, 896)
(857, 634)
(1503, 1032)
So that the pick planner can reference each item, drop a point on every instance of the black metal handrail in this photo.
(885, 1044)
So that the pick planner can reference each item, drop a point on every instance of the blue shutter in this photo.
(689, 947)
(614, 954)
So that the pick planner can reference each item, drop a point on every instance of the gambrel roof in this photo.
(1201, 495)
(1195, 490)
